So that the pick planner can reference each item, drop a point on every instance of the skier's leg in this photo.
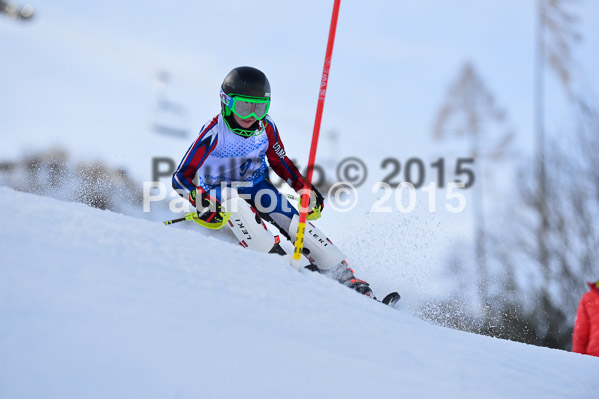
(318, 248)
(272, 205)
(328, 257)
(246, 224)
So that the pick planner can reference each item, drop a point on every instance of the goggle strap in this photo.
(226, 99)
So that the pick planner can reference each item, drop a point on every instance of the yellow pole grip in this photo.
(299, 244)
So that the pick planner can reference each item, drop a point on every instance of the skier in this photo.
(585, 339)
(224, 174)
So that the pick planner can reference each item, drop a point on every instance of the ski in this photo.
(391, 299)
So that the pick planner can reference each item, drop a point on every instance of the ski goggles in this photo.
(245, 107)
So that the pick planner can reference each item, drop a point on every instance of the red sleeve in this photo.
(279, 161)
(580, 338)
(194, 158)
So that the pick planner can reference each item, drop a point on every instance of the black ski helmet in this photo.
(246, 81)
(249, 82)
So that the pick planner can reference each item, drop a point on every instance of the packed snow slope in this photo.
(95, 304)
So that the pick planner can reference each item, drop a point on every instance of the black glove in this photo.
(318, 204)
(208, 208)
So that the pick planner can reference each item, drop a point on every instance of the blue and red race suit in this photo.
(219, 156)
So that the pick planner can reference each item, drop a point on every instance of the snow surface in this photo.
(95, 304)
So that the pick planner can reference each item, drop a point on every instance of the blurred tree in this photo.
(556, 35)
(553, 285)
(470, 111)
(552, 236)
(548, 242)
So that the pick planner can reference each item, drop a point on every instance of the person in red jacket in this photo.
(585, 339)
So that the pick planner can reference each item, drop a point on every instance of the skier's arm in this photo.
(194, 158)
(279, 161)
(284, 167)
(580, 338)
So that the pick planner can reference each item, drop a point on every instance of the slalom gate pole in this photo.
(305, 199)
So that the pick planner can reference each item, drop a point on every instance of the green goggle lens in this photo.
(246, 107)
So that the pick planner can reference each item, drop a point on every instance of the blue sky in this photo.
(81, 74)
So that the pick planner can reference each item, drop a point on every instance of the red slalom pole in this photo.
(301, 227)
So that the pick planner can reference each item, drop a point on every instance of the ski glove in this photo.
(208, 208)
(318, 204)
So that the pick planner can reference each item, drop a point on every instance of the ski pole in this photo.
(188, 216)
(301, 226)
(293, 197)
(193, 216)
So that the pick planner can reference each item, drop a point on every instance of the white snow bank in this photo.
(95, 304)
